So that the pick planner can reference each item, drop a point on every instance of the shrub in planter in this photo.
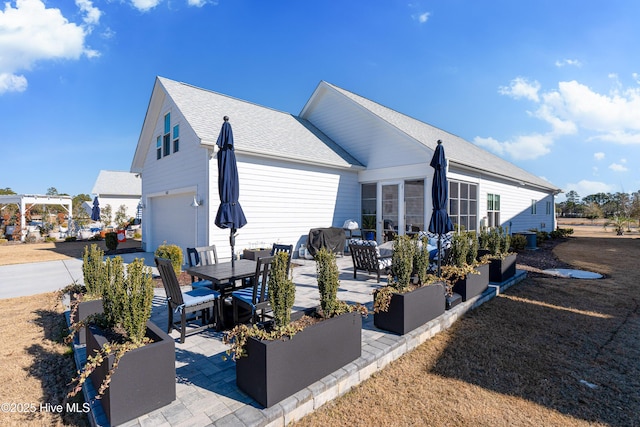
(502, 263)
(172, 252)
(405, 304)
(125, 328)
(276, 359)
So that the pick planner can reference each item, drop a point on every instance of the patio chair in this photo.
(254, 299)
(203, 255)
(366, 257)
(196, 301)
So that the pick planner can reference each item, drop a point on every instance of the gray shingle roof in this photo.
(257, 130)
(458, 150)
(117, 183)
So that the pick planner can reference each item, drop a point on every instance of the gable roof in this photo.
(257, 130)
(117, 183)
(459, 152)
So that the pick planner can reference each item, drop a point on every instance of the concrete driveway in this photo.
(35, 278)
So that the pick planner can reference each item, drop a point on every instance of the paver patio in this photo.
(206, 383)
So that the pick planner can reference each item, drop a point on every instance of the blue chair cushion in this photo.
(199, 295)
(202, 284)
(246, 295)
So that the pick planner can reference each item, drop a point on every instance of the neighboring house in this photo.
(344, 157)
(117, 188)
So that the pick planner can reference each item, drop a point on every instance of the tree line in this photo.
(601, 205)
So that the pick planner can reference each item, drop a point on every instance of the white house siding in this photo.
(184, 172)
(373, 142)
(515, 202)
(283, 201)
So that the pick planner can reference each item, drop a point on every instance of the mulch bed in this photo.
(543, 258)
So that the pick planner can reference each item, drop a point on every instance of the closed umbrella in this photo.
(440, 223)
(95, 210)
(230, 213)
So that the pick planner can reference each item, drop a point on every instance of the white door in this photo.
(173, 220)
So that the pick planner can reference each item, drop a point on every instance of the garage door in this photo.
(173, 220)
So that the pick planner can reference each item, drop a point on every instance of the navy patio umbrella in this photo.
(230, 213)
(95, 211)
(440, 222)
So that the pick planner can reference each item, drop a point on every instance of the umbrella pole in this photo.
(232, 241)
(439, 253)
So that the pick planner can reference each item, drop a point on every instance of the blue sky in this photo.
(553, 86)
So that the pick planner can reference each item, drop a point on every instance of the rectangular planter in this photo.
(473, 284)
(144, 380)
(84, 310)
(274, 370)
(254, 254)
(412, 309)
(501, 270)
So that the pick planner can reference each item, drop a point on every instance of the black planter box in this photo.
(84, 310)
(412, 309)
(473, 284)
(501, 270)
(274, 370)
(453, 300)
(144, 380)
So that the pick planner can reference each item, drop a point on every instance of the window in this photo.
(414, 205)
(369, 198)
(533, 207)
(493, 210)
(158, 148)
(176, 140)
(463, 204)
(549, 211)
(167, 135)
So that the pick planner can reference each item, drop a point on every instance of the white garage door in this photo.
(173, 220)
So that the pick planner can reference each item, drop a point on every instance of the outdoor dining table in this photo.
(224, 275)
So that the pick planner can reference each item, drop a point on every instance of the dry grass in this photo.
(23, 253)
(36, 366)
(524, 357)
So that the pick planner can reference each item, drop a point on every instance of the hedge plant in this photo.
(282, 290)
(172, 253)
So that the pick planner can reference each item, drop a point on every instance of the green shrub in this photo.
(460, 249)
(282, 291)
(112, 304)
(472, 252)
(421, 260)
(518, 242)
(136, 295)
(94, 271)
(561, 232)
(328, 283)
(111, 240)
(402, 262)
(70, 239)
(173, 253)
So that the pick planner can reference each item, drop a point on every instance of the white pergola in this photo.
(24, 200)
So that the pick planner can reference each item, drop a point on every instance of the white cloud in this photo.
(91, 14)
(420, 17)
(521, 148)
(586, 188)
(12, 83)
(145, 5)
(521, 88)
(572, 62)
(598, 156)
(616, 167)
(31, 32)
